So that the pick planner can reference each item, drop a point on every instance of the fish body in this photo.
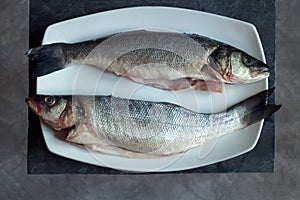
(136, 128)
(165, 60)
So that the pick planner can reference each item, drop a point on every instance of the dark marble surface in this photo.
(259, 13)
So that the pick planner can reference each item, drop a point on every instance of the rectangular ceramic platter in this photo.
(92, 81)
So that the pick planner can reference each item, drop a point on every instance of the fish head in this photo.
(56, 111)
(235, 66)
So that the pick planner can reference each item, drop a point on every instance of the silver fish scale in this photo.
(153, 57)
(150, 127)
(118, 52)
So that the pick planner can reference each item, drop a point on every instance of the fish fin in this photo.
(82, 134)
(176, 84)
(210, 86)
(259, 114)
(256, 108)
(46, 59)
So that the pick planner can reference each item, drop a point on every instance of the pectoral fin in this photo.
(210, 86)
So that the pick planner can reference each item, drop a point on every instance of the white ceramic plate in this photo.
(93, 81)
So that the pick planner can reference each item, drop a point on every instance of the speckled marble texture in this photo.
(284, 183)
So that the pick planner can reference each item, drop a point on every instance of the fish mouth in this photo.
(33, 105)
(262, 71)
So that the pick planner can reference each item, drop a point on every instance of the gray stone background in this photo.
(284, 183)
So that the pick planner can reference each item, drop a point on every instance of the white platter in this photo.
(93, 81)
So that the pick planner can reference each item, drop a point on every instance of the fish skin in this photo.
(136, 128)
(162, 57)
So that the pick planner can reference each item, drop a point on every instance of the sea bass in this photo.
(165, 60)
(136, 128)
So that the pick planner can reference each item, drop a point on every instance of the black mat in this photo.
(259, 13)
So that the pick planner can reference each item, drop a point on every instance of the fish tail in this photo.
(256, 108)
(47, 59)
(259, 114)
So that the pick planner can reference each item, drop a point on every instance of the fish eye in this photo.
(49, 101)
(247, 60)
